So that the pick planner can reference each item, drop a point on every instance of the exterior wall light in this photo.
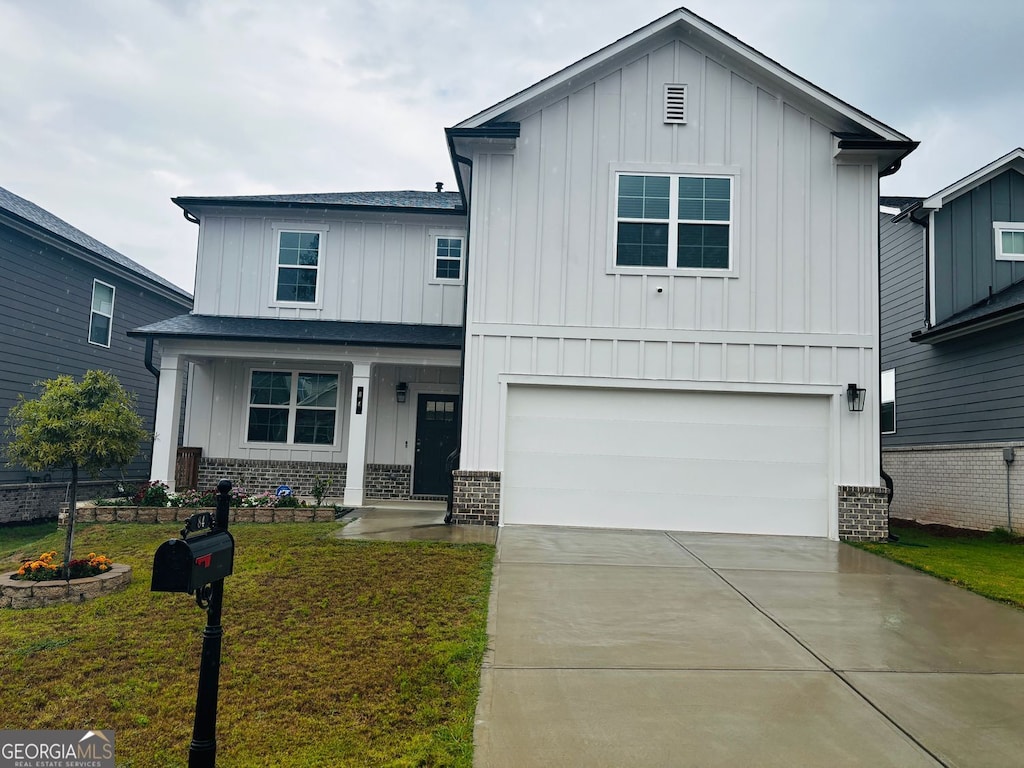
(401, 391)
(855, 397)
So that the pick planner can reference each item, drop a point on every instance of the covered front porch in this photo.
(370, 408)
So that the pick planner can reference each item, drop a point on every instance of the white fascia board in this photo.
(1014, 159)
(741, 50)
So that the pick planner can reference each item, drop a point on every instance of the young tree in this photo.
(89, 424)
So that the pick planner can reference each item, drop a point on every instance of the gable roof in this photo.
(37, 220)
(1011, 160)
(405, 201)
(691, 25)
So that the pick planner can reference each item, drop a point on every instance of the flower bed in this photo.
(181, 514)
(20, 593)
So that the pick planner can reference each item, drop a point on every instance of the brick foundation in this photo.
(863, 513)
(476, 498)
(962, 485)
(387, 481)
(258, 475)
(25, 502)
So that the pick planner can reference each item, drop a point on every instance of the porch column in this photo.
(168, 418)
(358, 413)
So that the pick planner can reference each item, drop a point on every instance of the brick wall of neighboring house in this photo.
(387, 481)
(962, 485)
(25, 502)
(476, 498)
(258, 475)
(863, 514)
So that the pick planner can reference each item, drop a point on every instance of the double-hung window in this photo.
(448, 258)
(292, 407)
(673, 221)
(1009, 236)
(101, 317)
(298, 266)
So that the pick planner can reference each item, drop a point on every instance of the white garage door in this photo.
(685, 461)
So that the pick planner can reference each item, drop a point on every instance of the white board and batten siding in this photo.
(375, 268)
(796, 315)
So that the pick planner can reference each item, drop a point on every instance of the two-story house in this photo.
(669, 257)
(68, 301)
(952, 287)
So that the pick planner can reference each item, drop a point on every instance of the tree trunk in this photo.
(70, 537)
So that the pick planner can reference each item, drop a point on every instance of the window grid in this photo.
(298, 264)
(292, 408)
(696, 228)
(101, 314)
(448, 258)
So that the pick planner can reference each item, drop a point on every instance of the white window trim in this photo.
(453, 234)
(292, 408)
(651, 169)
(1006, 226)
(92, 301)
(887, 382)
(275, 254)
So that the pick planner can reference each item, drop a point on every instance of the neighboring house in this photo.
(671, 266)
(68, 300)
(952, 288)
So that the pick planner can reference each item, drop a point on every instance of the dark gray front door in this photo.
(436, 437)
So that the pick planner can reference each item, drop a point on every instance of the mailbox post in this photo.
(199, 565)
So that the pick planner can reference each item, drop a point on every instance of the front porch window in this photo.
(292, 407)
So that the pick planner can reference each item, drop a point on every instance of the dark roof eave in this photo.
(491, 131)
(187, 203)
(943, 333)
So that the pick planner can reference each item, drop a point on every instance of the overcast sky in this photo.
(108, 108)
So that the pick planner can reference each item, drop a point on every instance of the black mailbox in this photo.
(185, 565)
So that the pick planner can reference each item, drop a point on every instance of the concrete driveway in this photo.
(633, 648)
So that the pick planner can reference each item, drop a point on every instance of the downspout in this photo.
(156, 373)
(453, 460)
(886, 477)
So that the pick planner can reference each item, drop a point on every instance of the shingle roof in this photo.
(39, 218)
(898, 202)
(411, 200)
(304, 331)
(996, 309)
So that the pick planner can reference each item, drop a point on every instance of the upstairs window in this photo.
(292, 407)
(673, 221)
(101, 318)
(448, 258)
(298, 266)
(1009, 236)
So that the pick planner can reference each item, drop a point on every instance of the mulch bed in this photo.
(948, 531)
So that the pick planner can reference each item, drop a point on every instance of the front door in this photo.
(436, 437)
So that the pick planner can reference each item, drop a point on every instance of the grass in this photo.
(335, 652)
(991, 565)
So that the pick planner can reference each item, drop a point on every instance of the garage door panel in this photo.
(668, 460)
(628, 437)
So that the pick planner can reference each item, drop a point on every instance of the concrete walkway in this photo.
(622, 648)
(411, 521)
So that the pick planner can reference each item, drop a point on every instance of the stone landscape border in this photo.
(21, 593)
(181, 514)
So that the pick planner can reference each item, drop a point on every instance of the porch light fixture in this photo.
(855, 397)
(401, 391)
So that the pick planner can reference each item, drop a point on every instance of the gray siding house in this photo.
(952, 292)
(68, 300)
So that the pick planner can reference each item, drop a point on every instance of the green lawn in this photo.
(989, 565)
(335, 652)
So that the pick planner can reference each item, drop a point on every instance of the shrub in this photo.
(321, 486)
(153, 494)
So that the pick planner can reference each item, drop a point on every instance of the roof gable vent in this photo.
(675, 103)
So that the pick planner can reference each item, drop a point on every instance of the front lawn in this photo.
(990, 565)
(335, 652)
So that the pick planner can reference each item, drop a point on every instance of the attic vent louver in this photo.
(675, 103)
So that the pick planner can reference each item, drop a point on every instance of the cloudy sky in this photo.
(108, 108)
